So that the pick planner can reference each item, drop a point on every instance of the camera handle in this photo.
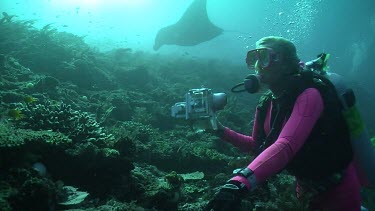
(213, 121)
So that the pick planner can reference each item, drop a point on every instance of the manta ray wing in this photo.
(194, 27)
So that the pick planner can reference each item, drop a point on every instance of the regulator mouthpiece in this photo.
(251, 84)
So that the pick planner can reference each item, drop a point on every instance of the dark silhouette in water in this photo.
(6, 17)
(193, 28)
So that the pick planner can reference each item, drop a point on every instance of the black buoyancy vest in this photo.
(327, 149)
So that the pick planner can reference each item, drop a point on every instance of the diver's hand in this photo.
(220, 127)
(216, 127)
(228, 197)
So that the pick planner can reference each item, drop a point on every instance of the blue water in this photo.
(343, 28)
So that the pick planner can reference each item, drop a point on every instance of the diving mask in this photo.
(261, 56)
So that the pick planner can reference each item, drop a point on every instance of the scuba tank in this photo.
(364, 151)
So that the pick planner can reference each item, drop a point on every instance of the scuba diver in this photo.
(304, 124)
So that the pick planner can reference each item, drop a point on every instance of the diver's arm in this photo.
(307, 110)
(243, 142)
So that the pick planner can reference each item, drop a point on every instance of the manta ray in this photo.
(193, 28)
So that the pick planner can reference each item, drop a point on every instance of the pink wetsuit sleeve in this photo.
(306, 111)
(243, 142)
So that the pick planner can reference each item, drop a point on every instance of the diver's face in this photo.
(271, 74)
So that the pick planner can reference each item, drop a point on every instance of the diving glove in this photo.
(228, 197)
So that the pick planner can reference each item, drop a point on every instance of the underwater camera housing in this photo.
(200, 107)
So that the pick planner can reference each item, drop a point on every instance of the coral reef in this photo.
(34, 193)
(60, 117)
(77, 164)
(15, 137)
